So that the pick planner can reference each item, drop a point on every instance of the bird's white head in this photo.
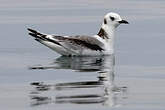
(110, 23)
(113, 20)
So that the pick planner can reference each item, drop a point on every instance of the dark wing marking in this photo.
(84, 41)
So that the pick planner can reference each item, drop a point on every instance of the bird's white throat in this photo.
(110, 31)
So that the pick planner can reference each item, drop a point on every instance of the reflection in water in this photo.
(102, 91)
(75, 63)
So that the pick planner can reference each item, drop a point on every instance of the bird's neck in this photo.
(107, 33)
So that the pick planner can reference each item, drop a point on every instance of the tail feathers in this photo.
(36, 34)
(34, 31)
(41, 37)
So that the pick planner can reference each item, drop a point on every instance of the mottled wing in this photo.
(79, 42)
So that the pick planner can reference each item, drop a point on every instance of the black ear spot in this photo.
(112, 18)
(105, 21)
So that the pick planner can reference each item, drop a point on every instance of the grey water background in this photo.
(139, 52)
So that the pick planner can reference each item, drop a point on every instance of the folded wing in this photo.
(80, 42)
(68, 44)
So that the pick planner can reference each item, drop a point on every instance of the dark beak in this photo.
(123, 22)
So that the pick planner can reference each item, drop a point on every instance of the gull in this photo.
(84, 45)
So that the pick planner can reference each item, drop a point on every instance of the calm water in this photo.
(34, 77)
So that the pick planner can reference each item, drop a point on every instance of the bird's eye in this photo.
(112, 18)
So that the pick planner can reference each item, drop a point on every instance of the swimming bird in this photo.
(83, 45)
